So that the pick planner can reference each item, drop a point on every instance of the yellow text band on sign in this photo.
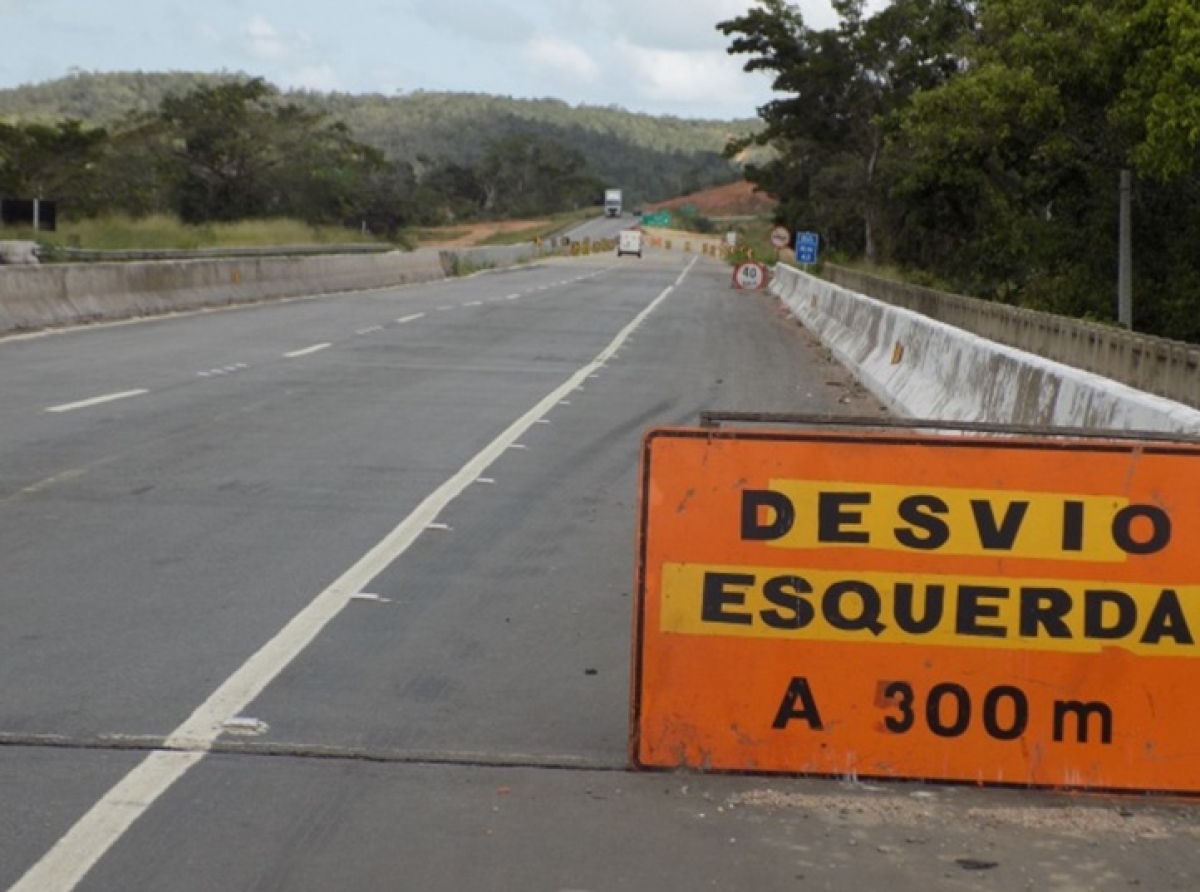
(930, 611)
(805, 515)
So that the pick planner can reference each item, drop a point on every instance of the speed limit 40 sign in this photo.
(750, 276)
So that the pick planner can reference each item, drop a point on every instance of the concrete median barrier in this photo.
(37, 297)
(923, 368)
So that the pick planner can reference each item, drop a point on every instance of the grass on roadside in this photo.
(162, 232)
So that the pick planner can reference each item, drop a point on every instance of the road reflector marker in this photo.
(245, 726)
(369, 596)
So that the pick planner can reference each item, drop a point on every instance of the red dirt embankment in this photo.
(735, 200)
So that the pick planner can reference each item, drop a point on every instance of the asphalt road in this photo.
(335, 594)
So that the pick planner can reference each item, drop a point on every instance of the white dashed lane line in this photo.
(307, 351)
(96, 401)
(295, 354)
(224, 370)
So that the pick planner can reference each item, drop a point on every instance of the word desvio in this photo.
(800, 515)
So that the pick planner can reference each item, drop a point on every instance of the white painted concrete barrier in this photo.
(52, 295)
(922, 368)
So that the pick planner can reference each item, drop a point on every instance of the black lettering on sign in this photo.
(959, 711)
(906, 617)
(719, 595)
(787, 593)
(899, 695)
(766, 515)
(949, 713)
(863, 612)
(1168, 621)
(834, 517)
(972, 610)
(1045, 608)
(798, 704)
(926, 531)
(1082, 714)
(905, 611)
(1108, 615)
(1072, 537)
(1124, 535)
(927, 521)
(1018, 706)
(998, 536)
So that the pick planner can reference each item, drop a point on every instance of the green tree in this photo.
(55, 162)
(1009, 171)
(528, 174)
(842, 89)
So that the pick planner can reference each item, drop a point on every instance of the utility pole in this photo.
(1125, 261)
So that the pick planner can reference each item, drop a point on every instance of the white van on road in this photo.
(629, 242)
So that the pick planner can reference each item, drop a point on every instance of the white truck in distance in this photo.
(612, 202)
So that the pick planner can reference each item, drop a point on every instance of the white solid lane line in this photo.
(96, 401)
(72, 857)
(307, 351)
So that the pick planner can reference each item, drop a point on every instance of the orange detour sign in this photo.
(960, 608)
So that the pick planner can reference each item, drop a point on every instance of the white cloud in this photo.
(688, 77)
(477, 19)
(556, 57)
(321, 78)
(265, 42)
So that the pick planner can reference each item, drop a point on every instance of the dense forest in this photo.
(980, 144)
(432, 141)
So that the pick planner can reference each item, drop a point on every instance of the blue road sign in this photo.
(807, 246)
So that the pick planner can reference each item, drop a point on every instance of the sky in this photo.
(662, 57)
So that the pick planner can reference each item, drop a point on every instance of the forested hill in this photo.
(652, 157)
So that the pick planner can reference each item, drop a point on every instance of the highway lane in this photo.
(601, 228)
(174, 493)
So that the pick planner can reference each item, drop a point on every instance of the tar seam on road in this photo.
(72, 857)
(309, 752)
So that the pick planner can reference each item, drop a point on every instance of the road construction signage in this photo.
(781, 236)
(750, 276)
(958, 608)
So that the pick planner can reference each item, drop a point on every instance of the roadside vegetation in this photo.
(978, 144)
(190, 162)
(163, 232)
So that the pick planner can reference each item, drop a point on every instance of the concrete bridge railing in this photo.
(923, 367)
